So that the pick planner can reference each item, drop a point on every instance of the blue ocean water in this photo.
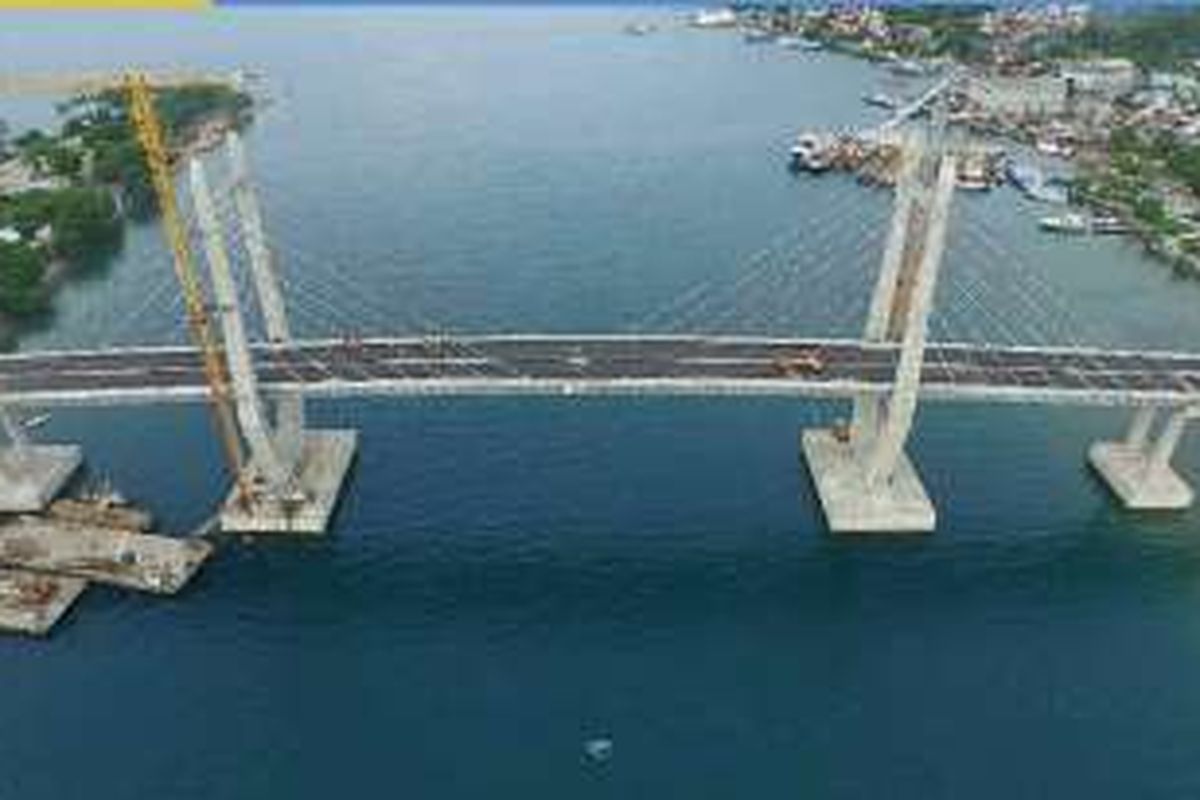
(510, 579)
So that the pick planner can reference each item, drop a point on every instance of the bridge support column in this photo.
(296, 475)
(852, 502)
(865, 481)
(1138, 469)
(31, 475)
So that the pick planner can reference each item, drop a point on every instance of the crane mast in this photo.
(149, 133)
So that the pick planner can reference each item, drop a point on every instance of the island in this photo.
(66, 195)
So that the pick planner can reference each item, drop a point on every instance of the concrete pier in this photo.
(1138, 469)
(865, 480)
(325, 458)
(32, 475)
(33, 603)
(1126, 470)
(851, 504)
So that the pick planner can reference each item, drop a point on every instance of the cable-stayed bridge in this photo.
(694, 346)
(612, 365)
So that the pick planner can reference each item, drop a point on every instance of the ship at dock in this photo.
(811, 153)
(1034, 184)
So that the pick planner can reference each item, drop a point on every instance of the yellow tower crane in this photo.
(139, 88)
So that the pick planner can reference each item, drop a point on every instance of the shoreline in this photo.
(1072, 101)
(37, 183)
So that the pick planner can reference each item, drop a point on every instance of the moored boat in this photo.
(757, 36)
(1065, 223)
(714, 18)
(1109, 224)
(881, 100)
(810, 154)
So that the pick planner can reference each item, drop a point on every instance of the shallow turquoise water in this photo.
(510, 578)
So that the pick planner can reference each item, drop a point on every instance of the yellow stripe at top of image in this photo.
(84, 5)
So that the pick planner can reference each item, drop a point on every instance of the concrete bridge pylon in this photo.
(1138, 469)
(865, 481)
(295, 474)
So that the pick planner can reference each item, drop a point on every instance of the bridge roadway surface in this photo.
(672, 365)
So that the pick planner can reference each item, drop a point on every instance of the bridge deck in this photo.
(612, 365)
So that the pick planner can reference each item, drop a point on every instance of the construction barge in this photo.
(47, 560)
(32, 603)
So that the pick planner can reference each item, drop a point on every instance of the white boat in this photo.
(35, 422)
(1109, 224)
(715, 18)
(908, 68)
(881, 100)
(1067, 223)
(640, 28)
(789, 42)
(1050, 147)
(809, 153)
(1035, 185)
(757, 36)
(974, 183)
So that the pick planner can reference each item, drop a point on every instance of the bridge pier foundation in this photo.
(294, 479)
(1138, 469)
(324, 460)
(855, 503)
(866, 482)
(31, 475)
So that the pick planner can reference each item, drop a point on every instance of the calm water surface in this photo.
(510, 578)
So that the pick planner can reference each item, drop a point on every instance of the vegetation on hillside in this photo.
(96, 174)
(1153, 38)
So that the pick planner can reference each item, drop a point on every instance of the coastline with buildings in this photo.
(1113, 98)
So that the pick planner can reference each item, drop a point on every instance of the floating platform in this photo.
(33, 603)
(1123, 469)
(33, 475)
(325, 459)
(900, 506)
(139, 561)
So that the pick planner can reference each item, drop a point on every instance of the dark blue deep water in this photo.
(511, 578)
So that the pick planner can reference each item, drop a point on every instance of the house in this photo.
(1044, 96)
(1105, 77)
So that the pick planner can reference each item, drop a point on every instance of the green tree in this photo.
(21, 270)
(85, 223)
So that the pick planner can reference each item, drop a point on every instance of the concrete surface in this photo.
(325, 459)
(1122, 467)
(900, 506)
(31, 476)
(33, 603)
